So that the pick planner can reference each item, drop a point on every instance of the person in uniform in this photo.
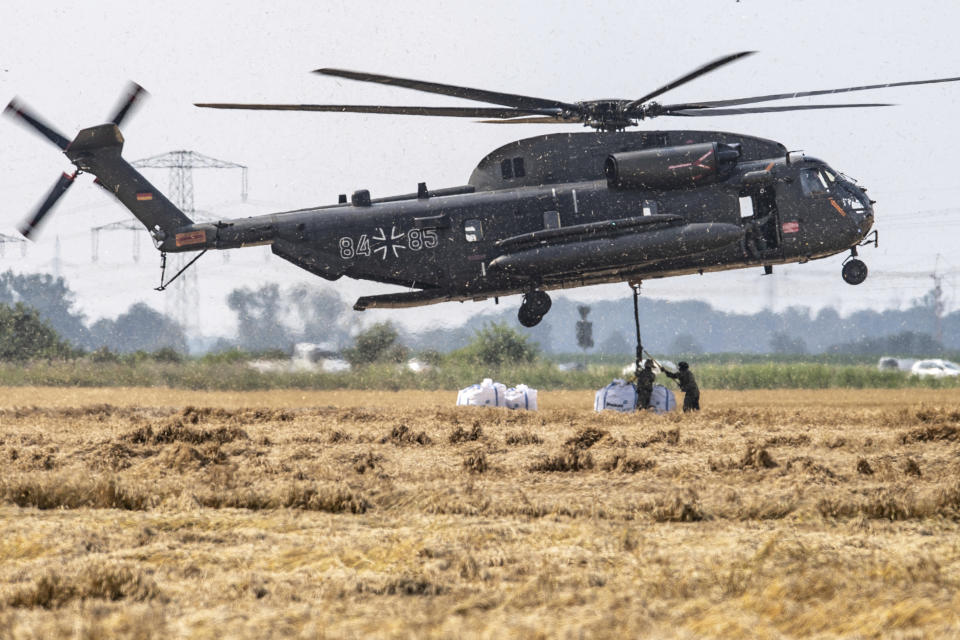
(645, 378)
(687, 384)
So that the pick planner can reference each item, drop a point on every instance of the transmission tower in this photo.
(5, 239)
(181, 165)
(128, 225)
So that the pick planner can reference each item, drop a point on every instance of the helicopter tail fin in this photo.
(97, 150)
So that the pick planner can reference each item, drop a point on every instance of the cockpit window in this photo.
(814, 182)
(851, 198)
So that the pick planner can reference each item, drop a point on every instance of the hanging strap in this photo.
(636, 321)
(163, 269)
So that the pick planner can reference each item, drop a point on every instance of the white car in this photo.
(936, 368)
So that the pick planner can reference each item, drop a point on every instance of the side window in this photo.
(659, 140)
(512, 168)
(518, 170)
(472, 231)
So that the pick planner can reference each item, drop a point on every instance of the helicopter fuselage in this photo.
(546, 213)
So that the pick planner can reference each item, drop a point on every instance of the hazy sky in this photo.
(69, 62)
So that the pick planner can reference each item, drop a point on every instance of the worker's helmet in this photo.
(648, 364)
(684, 366)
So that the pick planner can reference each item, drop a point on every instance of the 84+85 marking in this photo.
(382, 244)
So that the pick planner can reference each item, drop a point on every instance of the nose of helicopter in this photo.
(859, 210)
(864, 213)
(867, 225)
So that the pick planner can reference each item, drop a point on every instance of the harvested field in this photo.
(167, 513)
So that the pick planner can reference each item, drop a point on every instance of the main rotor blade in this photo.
(696, 73)
(480, 95)
(134, 91)
(744, 110)
(29, 227)
(19, 110)
(458, 112)
(534, 120)
(805, 94)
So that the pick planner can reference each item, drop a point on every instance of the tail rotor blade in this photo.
(127, 102)
(29, 227)
(17, 109)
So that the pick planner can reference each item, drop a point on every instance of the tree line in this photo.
(273, 318)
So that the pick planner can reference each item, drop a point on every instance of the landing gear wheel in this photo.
(527, 318)
(535, 305)
(854, 271)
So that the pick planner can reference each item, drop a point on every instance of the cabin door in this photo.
(761, 220)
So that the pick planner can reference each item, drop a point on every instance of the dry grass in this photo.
(151, 513)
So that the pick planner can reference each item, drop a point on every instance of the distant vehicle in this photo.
(888, 364)
(935, 368)
(307, 357)
(418, 366)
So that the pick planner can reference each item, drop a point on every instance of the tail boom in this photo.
(97, 150)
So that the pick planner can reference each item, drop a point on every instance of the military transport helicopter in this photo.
(543, 213)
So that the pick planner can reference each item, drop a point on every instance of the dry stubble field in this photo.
(163, 513)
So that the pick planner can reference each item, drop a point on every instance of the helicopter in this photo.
(551, 212)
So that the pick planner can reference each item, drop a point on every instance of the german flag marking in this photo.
(144, 196)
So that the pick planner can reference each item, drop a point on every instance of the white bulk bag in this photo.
(521, 397)
(616, 396)
(662, 399)
(486, 394)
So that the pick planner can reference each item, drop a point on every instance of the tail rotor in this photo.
(17, 109)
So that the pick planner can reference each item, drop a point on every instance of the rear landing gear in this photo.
(854, 270)
(535, 305)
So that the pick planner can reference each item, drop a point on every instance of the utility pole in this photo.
(937, 295)
(181, 165)
(584, 331)
(56, 258)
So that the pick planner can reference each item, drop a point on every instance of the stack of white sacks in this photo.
(621, 395)
(495, 394)
(662, 399)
